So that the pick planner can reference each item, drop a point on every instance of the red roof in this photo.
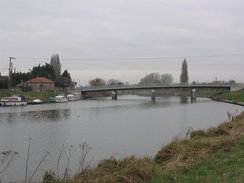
(39, 80)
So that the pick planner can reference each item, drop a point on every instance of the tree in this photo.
(55, 63)
(232, 82)
(166, 79)
(19, 77)
(4, 82)
(184, 73)
(114, 82)
(64, 80)
(46, 71)
(156, 78)
(151, 78)
(97, 82)
(66, 74)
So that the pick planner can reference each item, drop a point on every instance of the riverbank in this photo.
(44, 96)
(177, 159)
(236, 97)
(222, 167)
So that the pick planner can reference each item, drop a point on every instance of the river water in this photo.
(132, 125)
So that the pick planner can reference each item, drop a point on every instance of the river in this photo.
(132, 125)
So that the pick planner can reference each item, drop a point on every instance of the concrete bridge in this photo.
(192, 88)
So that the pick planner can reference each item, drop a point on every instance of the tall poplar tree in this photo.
(55, 63)
(184, 73)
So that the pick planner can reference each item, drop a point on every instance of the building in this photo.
(40, 84)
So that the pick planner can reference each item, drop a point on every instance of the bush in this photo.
(49, 177)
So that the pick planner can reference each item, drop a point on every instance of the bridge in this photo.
(192, 88)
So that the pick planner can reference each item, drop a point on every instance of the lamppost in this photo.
(10, 72)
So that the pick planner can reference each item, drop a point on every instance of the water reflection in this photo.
(36, 116)
(183, 99)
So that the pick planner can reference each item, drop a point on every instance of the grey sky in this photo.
(125, 39)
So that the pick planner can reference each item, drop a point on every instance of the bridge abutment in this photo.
(193, 95)
(84, 95)
(153, 96)
(114, 95)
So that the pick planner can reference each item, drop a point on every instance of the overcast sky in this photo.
(125, 39)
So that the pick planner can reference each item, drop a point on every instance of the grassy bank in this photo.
(198, 157)
(236, 97)
(231, 96)
(44, 96)
(222, 167)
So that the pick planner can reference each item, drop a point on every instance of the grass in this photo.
(237, 96)
(44, 96)
(227, 167)
(234, 96)
(207, 93)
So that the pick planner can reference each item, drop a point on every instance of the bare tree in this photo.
(112, 82)
(97, 82)
(184, 73)
(151, 78)
(166, 78)
(156, 78)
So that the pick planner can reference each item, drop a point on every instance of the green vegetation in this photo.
(208, 93)
(237, 96)
(44, 96)
(215, 155)
(222, 167)
(234, 96)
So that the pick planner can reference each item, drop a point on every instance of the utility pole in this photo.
(10, 72)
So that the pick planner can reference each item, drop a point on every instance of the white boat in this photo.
(70, 97)
(77, 95)
(60, 99)
(36, 101)
(13, 101)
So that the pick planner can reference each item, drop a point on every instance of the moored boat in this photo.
(70, 97)
(16, 100)
(36, 101)
(60, 99)
(77, 95)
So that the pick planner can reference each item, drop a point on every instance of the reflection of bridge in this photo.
(192, 88)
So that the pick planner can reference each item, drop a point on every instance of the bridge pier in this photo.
(153, 96)
(114, 95)
(193, 95)
(84, 95)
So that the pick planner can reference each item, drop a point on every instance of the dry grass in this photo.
(179, 153)
(127, 170)
(202, 144)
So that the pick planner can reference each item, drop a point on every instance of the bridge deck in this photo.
(155, 87)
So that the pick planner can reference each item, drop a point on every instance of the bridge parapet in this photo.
(153, 87)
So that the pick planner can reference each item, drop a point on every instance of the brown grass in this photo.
(129, 170)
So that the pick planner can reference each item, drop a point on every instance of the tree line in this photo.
(152, 78)
(50, 71)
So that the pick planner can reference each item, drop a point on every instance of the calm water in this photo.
(129, 126)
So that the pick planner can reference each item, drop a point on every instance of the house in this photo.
(40, 84)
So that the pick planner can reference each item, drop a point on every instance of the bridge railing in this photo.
(151, 85)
